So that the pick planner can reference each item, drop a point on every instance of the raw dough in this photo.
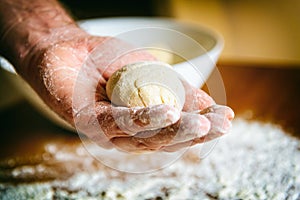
(145, 84)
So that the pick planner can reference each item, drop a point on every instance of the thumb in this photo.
(107, 121)
(134, 120)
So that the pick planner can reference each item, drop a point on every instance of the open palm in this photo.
(56, 70)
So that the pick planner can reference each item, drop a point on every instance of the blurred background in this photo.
(265, 31)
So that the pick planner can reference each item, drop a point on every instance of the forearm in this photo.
(24, 24)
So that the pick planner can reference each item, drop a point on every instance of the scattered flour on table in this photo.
(254, 161)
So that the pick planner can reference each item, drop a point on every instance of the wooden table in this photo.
(254, 92)
(264, 92)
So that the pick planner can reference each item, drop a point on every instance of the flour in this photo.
(254, 161)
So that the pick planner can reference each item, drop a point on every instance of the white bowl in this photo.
(199, 48)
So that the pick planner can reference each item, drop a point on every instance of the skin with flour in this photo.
(48, 50)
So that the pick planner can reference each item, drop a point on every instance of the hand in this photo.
(53, 71)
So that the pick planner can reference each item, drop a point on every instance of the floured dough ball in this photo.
(145, 84)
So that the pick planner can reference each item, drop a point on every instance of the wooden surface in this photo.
(254, 92)
(267, 93)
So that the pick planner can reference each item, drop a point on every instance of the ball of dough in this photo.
(145, 84)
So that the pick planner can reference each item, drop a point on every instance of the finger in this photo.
(134, 120)
(189, 127)
(219, 109)
(122, 121)
(196, 99)
(206, 138)
(220, 118)
(103, 122)
(178, 146)
(86, 124)
(130, 145)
